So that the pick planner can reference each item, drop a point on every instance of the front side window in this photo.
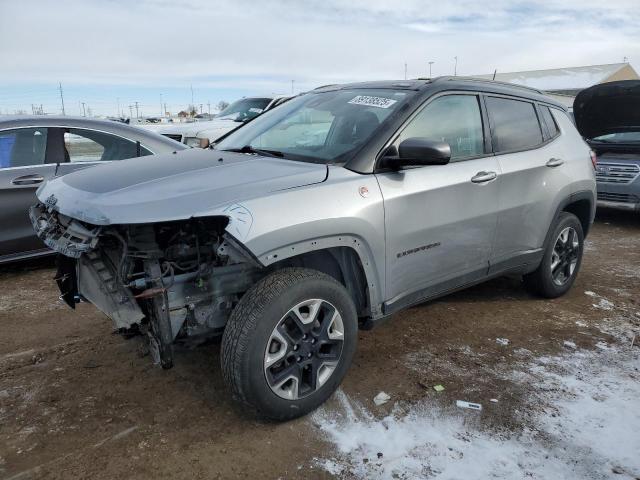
(22, 147)
(514, 124)
(453, 119)
(319, 127)
(93, 146)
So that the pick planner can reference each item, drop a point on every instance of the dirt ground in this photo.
(77, 401)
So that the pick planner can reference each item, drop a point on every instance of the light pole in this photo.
(455, 66)
(430, 63)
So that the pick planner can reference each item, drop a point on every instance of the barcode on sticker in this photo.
(370, 101)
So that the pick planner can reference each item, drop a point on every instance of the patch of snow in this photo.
(604, 304)
(502, 341)
(584, 425)
(381, 398)
(569, 344)
(590, 293)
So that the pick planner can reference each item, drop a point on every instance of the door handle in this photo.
(482, 177)
(28, 180)
(554, 162)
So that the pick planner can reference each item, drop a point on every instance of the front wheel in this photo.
(289, 343)
(562, 258)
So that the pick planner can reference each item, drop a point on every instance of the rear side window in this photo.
(22, 147)
(93, 146)
(549, 121)
(514, 124)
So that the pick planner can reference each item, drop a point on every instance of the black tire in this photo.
(541, 281)
(251, 327)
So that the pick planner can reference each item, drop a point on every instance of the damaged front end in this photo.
(175, 281)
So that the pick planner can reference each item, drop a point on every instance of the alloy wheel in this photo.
(564, 257)
(304, 349)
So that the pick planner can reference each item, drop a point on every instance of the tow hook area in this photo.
(160, 335)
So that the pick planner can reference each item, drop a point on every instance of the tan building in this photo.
(563, 84)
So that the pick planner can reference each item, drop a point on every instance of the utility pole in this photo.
(84, 112)
(405, 70)
(165, 108)
(200, 108)
(292, 83)
(137, 114)
(130, 111)
(430, 63)
(455, 66)
(209, 107)
(61, 97)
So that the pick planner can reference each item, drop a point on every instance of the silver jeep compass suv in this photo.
(333, 211)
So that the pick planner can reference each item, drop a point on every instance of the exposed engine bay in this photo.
(174, 281)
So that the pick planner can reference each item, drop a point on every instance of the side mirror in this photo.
(419, 151)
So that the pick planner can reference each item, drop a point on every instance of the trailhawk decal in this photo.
(369, 101)
(417, 249)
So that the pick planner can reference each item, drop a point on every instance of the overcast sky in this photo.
(107, 52)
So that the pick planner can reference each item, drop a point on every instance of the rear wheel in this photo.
(289, 343)
(562, 259)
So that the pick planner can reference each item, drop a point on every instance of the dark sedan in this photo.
(36, 148)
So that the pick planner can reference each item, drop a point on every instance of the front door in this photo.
(440, 220)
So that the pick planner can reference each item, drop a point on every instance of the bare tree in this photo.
(222, 105)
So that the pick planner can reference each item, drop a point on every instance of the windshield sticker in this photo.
(369, 101)
(255, 110)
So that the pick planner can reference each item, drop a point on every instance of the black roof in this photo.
(433, 85)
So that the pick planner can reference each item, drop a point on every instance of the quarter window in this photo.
(453, 119)
(550, 122)
(22, 147)
(514, 124)
(92, 146)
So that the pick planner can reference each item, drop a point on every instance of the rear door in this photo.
(24, 166)
(534, 176)
(440, 220)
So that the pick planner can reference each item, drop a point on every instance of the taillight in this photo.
(594, 158)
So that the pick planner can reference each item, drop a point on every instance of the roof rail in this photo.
(486, 80)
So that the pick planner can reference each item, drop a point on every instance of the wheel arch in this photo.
(582, 205)
(344, 257)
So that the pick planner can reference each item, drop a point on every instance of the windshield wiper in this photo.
(257, 151)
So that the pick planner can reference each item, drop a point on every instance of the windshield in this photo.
(320, 127)
(622, 137)
(244, 109)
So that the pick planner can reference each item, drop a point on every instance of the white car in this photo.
(201, 134)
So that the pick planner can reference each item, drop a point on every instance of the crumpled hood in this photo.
(169, 187)
(612, 107)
